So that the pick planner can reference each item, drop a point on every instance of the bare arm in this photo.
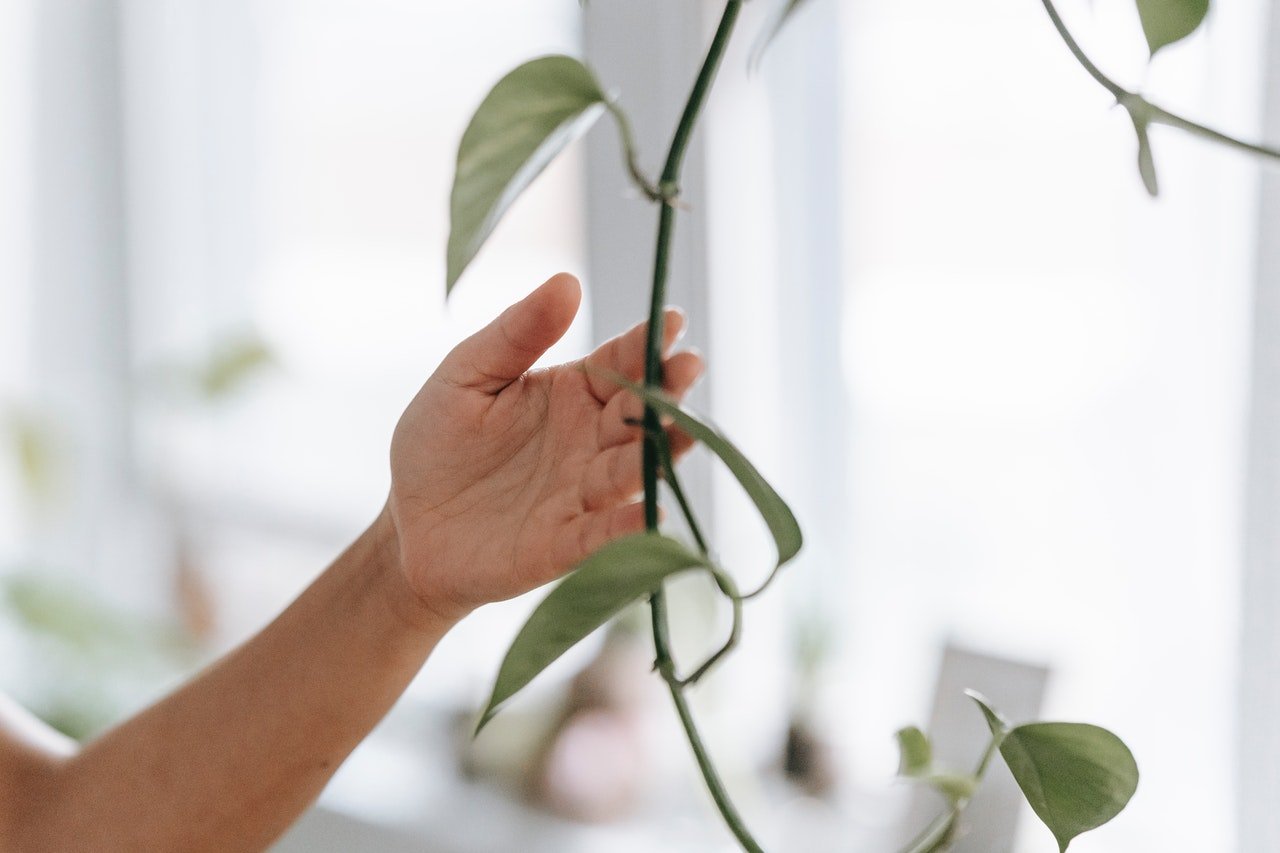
(502, 479)
(228, 761)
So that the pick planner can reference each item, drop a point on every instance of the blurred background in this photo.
(1027, 416)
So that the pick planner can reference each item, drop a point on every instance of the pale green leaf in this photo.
(527, 119)
(598, 589)
(954, 786)
(233, 364)
(915, 755)
(1075, 776)
(773, 509)
(1167, 21)
(1146, 160)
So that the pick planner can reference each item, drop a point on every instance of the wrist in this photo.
(414, 610)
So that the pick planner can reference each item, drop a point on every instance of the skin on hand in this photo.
(503, 477)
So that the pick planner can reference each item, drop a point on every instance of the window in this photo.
(1045, 376)
(1004, 391)
(293, 163)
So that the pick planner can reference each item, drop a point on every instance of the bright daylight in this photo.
(617, 426)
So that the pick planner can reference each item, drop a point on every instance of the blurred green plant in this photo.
(232, 364)
(222, 372)
(85, 659)
(30, 439)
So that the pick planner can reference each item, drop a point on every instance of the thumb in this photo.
(502, 351)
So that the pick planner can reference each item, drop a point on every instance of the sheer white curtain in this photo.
(1258, 736)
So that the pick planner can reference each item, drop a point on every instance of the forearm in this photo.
(230, 760)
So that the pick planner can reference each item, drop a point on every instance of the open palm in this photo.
(504, 477)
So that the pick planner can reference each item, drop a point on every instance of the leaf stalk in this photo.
(669, 190)
(1143, 110)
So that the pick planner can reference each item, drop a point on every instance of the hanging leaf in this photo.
(1167, 21)
(599, 588)
(1075, 776)
(915, 755)
(773, 509)
(1146, 160)
(915, 762)
(527, 119)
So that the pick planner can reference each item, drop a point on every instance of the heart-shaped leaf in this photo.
(599, 588)
(773, 509)
(1167, 21)
(528, 118)
(1075, 776)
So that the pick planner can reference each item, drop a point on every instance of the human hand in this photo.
(503, 478)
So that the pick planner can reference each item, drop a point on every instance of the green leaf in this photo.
(996, 721)
(1075, 776)
(915, 754)
(527, 119)
(601, 586)
(773, 509)
(232, 364)
(915, 762)
(954, 786)
(34, 447)
(1146, 160)
(1167, 21)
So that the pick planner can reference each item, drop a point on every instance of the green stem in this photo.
(686, 509)
(1074, 46)
(669, 187)
(939, 835)
(723, 581)
(1138, 105)
(709, 774)
(1163, 116)
(992, 748)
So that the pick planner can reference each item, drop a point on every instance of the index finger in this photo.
(624, 354)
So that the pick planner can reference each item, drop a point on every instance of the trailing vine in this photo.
(1076, 777)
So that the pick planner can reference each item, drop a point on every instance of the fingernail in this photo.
(684, 323)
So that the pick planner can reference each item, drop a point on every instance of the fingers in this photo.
(624, 410)
(592, 531)
(625, 354)
(502, 351)
(616, 474)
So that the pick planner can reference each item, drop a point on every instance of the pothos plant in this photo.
(1076, 777)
